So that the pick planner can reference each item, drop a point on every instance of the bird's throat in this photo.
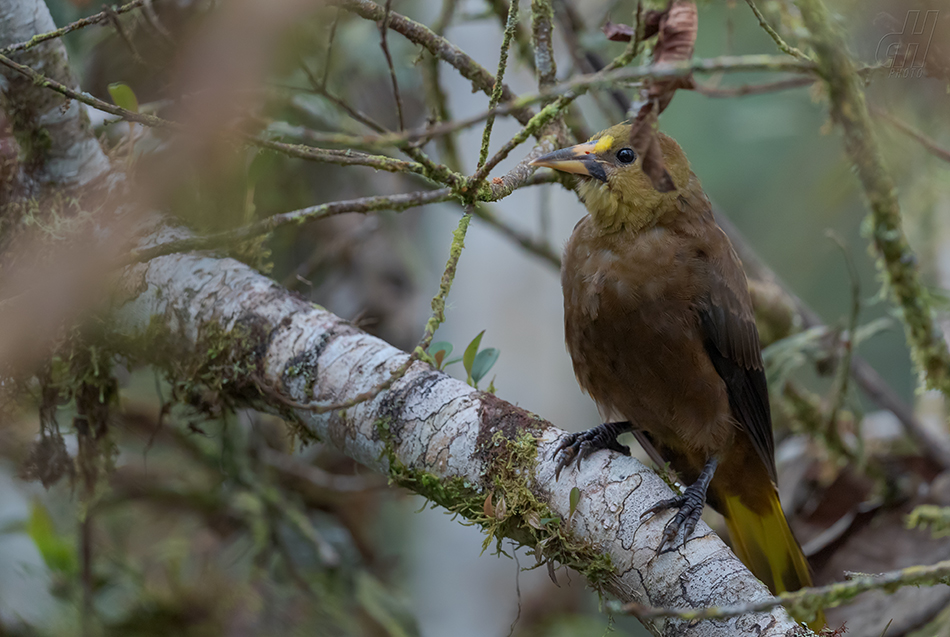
(608, 209)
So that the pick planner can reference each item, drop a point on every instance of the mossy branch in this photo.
(98, 18)
(783, 46)
(897, 260)
(511, 26)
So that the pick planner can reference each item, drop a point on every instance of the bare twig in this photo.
(328, 58)
(384, 44)
(753, 89)
(930, 145)
(117, 23)
(435, 95)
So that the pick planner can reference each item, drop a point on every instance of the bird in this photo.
(660, 328)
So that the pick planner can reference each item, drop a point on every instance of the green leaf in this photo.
(575, 498)
(484, 361)
(124, 97)
(468, 358)
(440, 351)
(58, 553)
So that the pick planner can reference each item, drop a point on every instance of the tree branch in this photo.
(440, 437)
(56, 142)
(898, 263)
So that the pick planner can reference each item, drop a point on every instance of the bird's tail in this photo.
(764, 542)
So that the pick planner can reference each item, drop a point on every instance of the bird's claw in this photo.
(580, 445)
(689, 508)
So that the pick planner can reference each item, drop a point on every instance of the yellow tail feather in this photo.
(764, 543)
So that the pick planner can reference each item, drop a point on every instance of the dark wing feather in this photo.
(732, 342)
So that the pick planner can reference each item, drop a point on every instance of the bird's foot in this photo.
(689, 507)
(582, 444)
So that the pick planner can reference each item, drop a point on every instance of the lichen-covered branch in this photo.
(438, 437)
(897, 260)
(542, 39)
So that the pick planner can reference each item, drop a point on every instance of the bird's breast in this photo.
(632, 330)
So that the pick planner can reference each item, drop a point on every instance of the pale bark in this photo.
(428, 422)
(445, 428)
(54, 136)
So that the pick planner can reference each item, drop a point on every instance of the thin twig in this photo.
(495, 97)
(98, 18)
(117, 23)
(435, 320)
(340, 157)
(806, 599)
(361, 205)
(435, 95)
(753, 89)
(329, 55)
(843, 374)
(151, 18)
(85, 98)
(384, 44)
(930, 145)
(782, 44)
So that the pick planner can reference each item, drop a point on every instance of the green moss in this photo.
(932, 517)
(509, 508)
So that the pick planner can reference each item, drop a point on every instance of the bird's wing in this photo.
(732, 342)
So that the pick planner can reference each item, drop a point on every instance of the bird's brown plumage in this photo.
(660, 328)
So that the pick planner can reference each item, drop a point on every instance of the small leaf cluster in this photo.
(477, 363)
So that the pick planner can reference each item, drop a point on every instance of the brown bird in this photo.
(660, 328)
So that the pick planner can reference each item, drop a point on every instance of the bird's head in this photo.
(616, 191)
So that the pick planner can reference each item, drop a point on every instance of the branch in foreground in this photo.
(805, 599)
(437, 436)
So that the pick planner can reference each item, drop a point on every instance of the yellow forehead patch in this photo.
(603, 144)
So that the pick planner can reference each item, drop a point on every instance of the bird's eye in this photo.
(626, 156)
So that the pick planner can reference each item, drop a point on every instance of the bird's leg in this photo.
(689, 506)
(582, 444)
